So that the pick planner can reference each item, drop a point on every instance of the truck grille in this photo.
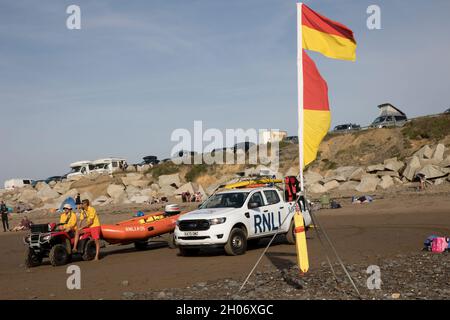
(193, 225)
(194, 238)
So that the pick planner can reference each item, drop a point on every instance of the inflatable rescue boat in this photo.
(142, 228)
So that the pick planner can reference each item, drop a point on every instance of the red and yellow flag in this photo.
(331, 38)
(316, 110)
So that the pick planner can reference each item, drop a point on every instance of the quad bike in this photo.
(45, 240)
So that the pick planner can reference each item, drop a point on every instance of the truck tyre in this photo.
(32, 259)
(89, 251)
(141, 245)
(58, 255)
(290, 235)
(237, 242)
(188, 252)
(171, 241)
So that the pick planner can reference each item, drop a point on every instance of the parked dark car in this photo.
(447, 111)
(152, 160)
(54, 178)
(291, 139)
(48, 180)
(346, 127)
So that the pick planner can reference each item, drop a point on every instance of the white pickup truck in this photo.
(231, 218)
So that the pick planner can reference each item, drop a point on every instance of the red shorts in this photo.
(95, 232)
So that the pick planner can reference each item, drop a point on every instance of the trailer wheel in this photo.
(89, 250)
(171, 241)
(58, 255)
(32, 259)
(237, 242)
(141, 245)
(188, 252)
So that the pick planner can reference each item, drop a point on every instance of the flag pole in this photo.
(300, 93)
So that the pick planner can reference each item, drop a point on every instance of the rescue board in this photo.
(300, 242)
(252, 182)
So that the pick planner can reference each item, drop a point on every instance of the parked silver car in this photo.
(389, 121)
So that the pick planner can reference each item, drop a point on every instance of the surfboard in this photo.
(300, 242)
(247, 183)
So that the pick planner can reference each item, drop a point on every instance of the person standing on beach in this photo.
(5, 213)
(78, 202)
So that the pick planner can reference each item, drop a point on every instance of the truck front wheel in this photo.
(237, 242)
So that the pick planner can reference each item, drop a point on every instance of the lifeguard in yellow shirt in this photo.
(89, 222)
(68, 219)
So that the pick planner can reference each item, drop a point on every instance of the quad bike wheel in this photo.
(32, 259)
(58, 255)
(89, 251)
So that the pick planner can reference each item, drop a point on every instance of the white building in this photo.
(266, 136)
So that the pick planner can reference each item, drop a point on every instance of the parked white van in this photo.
(17, 183)
(80, 168)
(108, 165)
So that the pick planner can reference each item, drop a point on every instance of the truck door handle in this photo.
(247, 215)
(266, 210)
(281, 207)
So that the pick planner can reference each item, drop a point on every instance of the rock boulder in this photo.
(411, 168)
(368, 184)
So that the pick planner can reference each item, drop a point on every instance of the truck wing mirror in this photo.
(253, 205)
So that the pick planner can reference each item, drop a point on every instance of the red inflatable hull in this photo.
(140, 228)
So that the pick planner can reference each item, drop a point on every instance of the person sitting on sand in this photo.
(422, 179)
(25, 224)
(89, 222)
(362, 199)
(68, 219)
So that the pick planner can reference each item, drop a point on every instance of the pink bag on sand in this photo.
(439, 244)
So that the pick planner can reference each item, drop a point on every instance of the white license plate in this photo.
(191, 233)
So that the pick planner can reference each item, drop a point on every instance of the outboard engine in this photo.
(172, 210)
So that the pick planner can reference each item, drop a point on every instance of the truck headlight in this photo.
(217, 221)
(46, 237)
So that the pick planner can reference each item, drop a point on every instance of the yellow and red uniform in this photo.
(93, 222)
(68, 220)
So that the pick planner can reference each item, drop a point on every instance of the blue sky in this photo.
(137, 70)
